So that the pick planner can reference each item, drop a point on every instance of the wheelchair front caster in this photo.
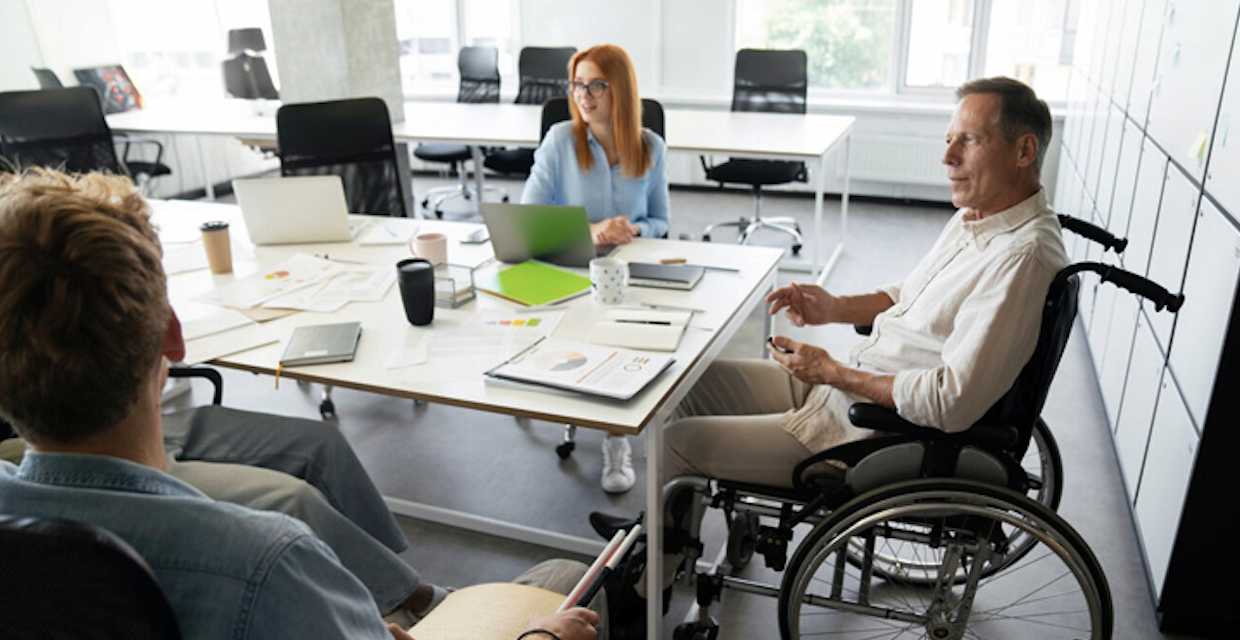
(699, 630)
(565, 449)
(327, 409)
(742, 540)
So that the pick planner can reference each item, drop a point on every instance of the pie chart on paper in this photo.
(560, 360)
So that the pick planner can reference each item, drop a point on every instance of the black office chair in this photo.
(245, 73)
(117, 94)
(544, 75)
(61, 128)
(65, 579)
(479, 70)
(773, 81)
(349, 138)
(47, 78)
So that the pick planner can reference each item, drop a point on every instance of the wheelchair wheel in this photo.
(960, 528)
(742, 539)
(904, 561)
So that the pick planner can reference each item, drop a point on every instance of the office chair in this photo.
(67, 579)
(47, 78)
(352, 139)
(544, 75)
(556, 110)
(117, 94)
(772, 81)
(479, 70)
(349, 138)
(61, 128)
(245, 73)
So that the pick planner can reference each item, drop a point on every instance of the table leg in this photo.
(654, 530)
(839, 247)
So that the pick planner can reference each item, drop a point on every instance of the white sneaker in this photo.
(618, 474)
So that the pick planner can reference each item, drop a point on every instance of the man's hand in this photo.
(571, 624)
(616, 230)
(805, 362)
(806, 304)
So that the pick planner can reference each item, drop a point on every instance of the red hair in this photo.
(626, 110)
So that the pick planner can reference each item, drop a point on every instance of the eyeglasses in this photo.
(595, 88)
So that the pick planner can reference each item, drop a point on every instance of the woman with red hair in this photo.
(604, 160)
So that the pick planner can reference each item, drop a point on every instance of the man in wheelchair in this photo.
(946, 344)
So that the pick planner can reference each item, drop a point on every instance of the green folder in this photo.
(534, 283)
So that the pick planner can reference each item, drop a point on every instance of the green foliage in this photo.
(848, 43)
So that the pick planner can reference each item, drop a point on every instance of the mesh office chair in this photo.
(349, 138)
(116, 94)
(772, 81)
(352, 139)
(479, 70)
(62, 128)
(544, 76)
(72, 580)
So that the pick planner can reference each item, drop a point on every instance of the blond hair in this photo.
(83, 309)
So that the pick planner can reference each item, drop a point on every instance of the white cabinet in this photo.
(1146, 60)
(1116, 352)
(1111, 151)
(1125, 179)
(1133, 429)
(1168, 467)
(1145, 208)
(1224, 167)
(1130, 28)
(1209, 290)
(1174, 232)
(1192, 61)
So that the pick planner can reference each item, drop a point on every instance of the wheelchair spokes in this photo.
(833, 588)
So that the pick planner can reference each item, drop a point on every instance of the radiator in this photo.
(906, 159)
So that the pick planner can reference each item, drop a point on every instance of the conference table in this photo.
(724, 297)
(810, 138)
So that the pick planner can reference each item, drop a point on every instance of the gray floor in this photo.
(496, 466)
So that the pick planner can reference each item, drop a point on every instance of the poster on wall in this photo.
(116, 93)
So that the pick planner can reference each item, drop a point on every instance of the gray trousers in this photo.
(302, 468)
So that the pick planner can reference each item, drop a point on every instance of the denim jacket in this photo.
(228, 571)
(605, 191)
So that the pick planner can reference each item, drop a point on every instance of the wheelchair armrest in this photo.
(217, 381)
(879, 418)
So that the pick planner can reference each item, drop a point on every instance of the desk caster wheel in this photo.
(565, 449)
(796, 249)
(705, 237)
(327, 409)
(505, 198)
(426, 203)
(708, 630)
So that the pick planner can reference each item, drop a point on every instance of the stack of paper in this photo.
(653, 329)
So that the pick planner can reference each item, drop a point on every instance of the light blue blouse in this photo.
(604, 191)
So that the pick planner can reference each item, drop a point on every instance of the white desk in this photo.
(809, 138)
(726, 298)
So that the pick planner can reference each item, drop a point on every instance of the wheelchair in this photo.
(919, 533)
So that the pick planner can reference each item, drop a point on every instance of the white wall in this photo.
(21, 49)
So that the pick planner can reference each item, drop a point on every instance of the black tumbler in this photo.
(416, 278)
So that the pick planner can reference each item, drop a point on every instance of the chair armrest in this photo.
(879, 418)
(217, 381)
(129, 139)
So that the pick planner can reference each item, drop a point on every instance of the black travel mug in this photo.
(416, 278)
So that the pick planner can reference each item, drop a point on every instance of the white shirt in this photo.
(964, 323)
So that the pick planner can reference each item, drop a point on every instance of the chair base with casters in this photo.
(456, 156)
(757, 173)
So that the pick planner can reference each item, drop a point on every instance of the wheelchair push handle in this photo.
(1093, 232)
(1148, 289)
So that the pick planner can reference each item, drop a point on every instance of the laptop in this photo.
(551, 233)
(294, 209)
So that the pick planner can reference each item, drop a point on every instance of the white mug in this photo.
(431, 246)
(607, 276)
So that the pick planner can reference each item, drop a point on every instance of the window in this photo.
(916, 46)
(431, 32)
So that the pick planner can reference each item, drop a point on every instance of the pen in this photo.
(327, 257)
(628, 321)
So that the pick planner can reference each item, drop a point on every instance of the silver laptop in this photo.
(551, 233)
(294, 209)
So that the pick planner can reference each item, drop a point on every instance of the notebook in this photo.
(294, 209)
(322, 344)
(533, 283)
(652, 329)
(613, 373)
(551, 233)
(665, 276)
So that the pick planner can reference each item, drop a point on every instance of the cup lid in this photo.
(214, 225)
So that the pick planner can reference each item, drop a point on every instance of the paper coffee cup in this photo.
(216, 242)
